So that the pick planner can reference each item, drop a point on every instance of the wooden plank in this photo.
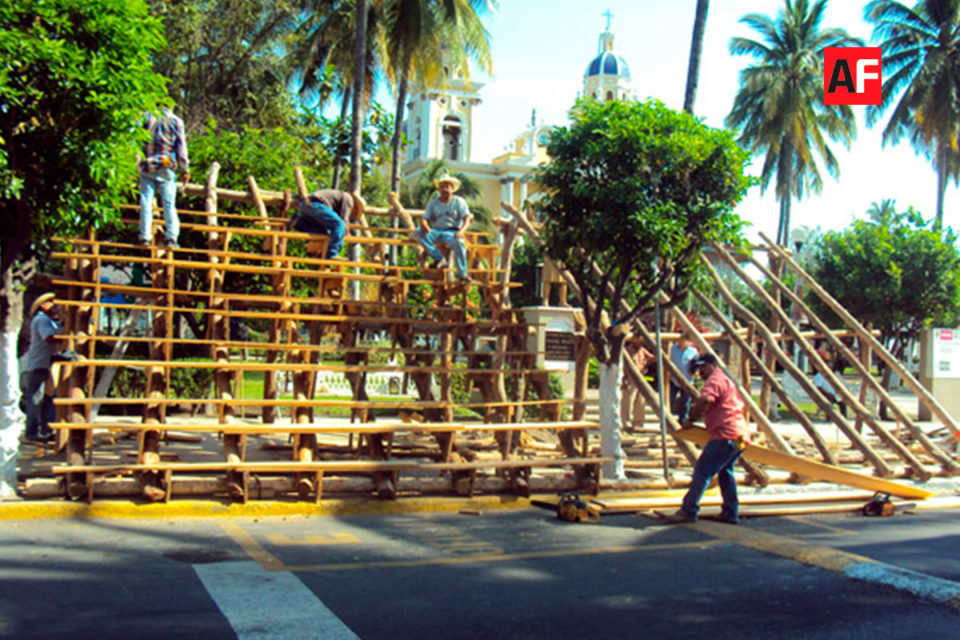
(322, 465)
(713, 500)
(274, 428)
(811, 469)
(290, 402)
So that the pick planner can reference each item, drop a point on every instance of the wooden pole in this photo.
(925, 396)
(862, 412)
(905, 454)
(791, 368)
(770, 379)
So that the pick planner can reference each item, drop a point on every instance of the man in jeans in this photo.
(163, 154)
(444, 220)
(35, 369)
(722, 410)
(328, 212)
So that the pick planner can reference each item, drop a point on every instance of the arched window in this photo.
(451, 137)
(609, 95)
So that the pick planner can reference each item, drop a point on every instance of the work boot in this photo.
(680, 517)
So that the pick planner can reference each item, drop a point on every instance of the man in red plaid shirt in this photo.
(163, 154)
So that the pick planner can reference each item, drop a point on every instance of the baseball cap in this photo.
(706, 358)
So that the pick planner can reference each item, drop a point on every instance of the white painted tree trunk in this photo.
(11, 418)
(610, 447)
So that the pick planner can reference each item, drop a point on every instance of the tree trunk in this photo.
(337, 159)
(610, 444)
(941, 187)
(397, 134)
(359, 65)
(696, 49)
(11, 418)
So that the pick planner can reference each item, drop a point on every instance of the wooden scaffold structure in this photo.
(435, 331)
(306, 303)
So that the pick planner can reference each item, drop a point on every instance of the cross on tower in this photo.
(608, 16)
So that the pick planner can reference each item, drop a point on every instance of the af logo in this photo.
(851, 75)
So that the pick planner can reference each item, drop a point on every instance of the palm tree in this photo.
(324, 54)
(921, 60)
(779, 108)
(696, 49)
(420, 36)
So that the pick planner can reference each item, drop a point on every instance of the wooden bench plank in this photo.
(325, 465)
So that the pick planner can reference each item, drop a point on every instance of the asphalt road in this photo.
(503, 574)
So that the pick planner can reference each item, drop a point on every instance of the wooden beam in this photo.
(815, 470)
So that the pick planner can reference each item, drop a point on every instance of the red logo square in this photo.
(852, 75)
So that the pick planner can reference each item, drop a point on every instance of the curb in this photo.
(35, 510)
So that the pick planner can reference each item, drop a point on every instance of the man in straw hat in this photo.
(444, 220)
(722, 410)
(328, 211)
(35, 369)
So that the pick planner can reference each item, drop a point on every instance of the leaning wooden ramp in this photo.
(857, 453)
(302, 317)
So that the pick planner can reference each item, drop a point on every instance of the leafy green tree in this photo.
(225, 59)
(633, 191)
(921, 60)
(892, 270)
(779, 108)
(75, 79)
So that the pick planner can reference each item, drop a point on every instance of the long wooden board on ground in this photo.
(816, 470)
(631, 505)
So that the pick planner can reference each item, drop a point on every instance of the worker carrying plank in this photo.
(721, 407)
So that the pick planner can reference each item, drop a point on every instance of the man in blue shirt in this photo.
(445, 220)
(682, 354)
(35, 371)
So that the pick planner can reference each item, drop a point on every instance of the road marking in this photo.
(500, 557)
(265, 605)
(334, 537)
(808, 522)
(855, 566)
(251, 546)
(269, 562)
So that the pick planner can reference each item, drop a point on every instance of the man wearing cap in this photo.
(328, 211)
(163, 154)
(721, 407)
(444, 220)
(35, 370)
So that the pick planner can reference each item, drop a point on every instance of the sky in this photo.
(541, 49)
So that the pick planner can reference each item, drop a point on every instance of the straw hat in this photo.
(447, 178)
(46, 297)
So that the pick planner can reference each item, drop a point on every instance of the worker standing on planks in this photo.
(722, 409)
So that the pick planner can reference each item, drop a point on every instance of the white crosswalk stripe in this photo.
(263, 605)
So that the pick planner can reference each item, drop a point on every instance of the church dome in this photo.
(608, 64)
